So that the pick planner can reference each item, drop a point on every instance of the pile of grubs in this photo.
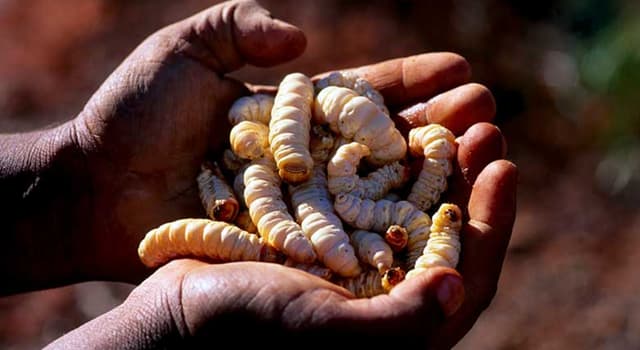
(293, 189)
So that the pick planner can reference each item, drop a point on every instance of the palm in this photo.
(274, 301)
(153, 134)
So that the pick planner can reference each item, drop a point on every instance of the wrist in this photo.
(138, 323)
(150, 318)
(45, 184)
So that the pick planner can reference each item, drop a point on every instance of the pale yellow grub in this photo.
(244, 222)
(268, 211)
(314, 211)
(371, 282)
(249, 139)
(438, 146)
(203, 238)
(342, 174)
(366, 285)
(255, 108)
(443, 246)
(357, 118)
(321, 144)
(354, 82)
(377, 216)
(290, 126)
(216, 195)
(372, 249)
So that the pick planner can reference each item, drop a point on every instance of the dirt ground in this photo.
(569, 280)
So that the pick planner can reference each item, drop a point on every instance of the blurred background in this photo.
(565, 75)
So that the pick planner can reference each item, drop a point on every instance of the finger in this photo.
(480, 145)
(226, 36)
(263, 89)
(415, 78)
(456, 109)
(411, 309)
(492, 209)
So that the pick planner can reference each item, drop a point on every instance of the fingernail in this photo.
(450, 294)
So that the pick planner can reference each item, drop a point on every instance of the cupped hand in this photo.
(269, 304)
(191, 304)
(483, 184)
(154, 120)
(150, 125)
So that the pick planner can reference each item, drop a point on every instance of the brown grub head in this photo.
(392, 277)
(451, 214)
(396, 237)
(225, 210)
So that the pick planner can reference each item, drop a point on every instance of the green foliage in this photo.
(610, 67)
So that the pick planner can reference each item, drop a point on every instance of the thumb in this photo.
(412, 307)
(231, 34)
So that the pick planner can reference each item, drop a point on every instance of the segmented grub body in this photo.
(238, 185)
(216, 240)
(354, 82)
(244, 222)
(443, 246)
(371, 282)
(269, 212)
(290, 126)
(366, 285)
(342, 174)
(256, 108)
(321, 145)
(249, 139)
(392, 196)
(438, 146)
(357, 118)
(378, 216)
(216, 195)
(314, 211)
(372, 249)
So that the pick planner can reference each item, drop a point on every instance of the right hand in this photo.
(191, 304)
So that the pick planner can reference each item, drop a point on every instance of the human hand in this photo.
(191, 304)
(151, 124)
(483, 184)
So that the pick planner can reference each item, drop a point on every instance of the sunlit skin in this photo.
(87, 191)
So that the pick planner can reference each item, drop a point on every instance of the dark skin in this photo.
(83, 194)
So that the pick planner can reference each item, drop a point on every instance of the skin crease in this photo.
(145, 132)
